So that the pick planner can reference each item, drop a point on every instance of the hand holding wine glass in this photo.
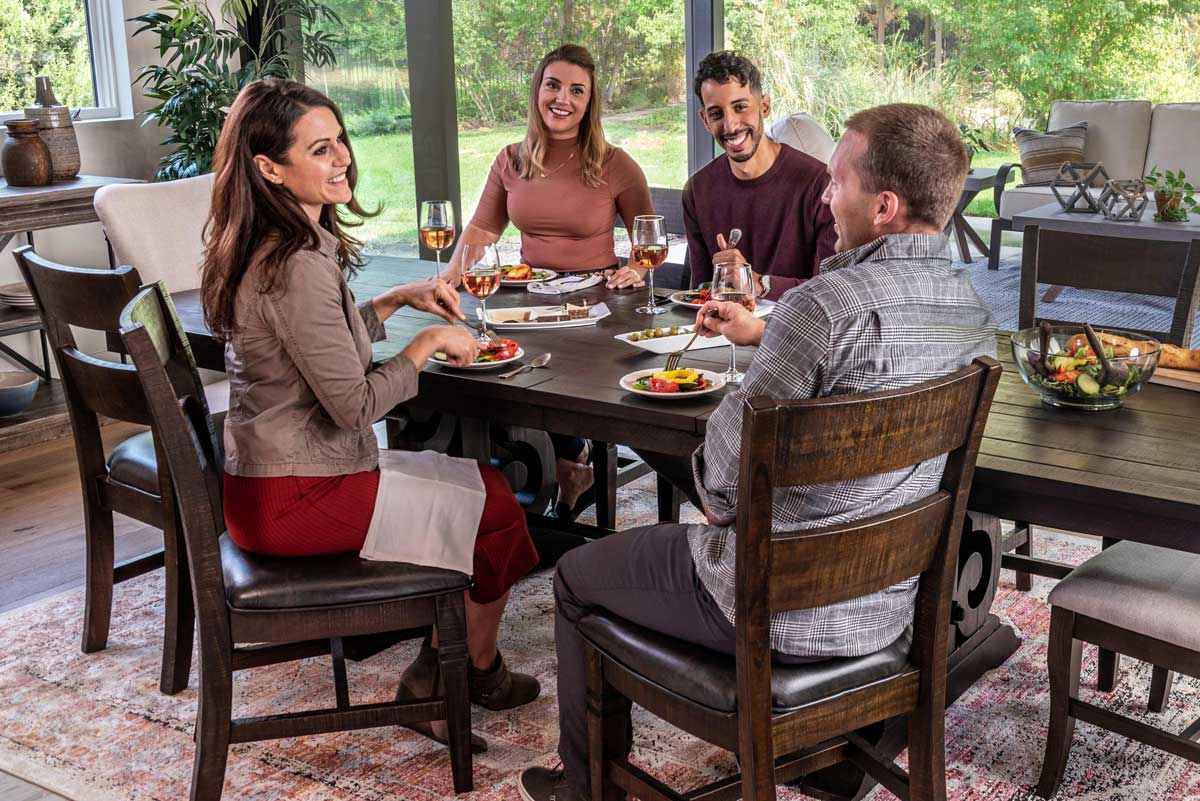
(734, 283)
(437, 228)
(649, 249)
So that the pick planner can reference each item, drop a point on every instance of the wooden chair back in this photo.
(802, 442)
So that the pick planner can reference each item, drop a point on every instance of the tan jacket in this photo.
(303, 392)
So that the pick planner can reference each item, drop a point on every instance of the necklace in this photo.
(560, 166)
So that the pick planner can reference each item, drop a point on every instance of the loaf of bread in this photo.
(1171, 356)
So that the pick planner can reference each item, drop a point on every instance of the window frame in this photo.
(110, 64)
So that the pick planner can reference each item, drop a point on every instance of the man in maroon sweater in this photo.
(770, 191)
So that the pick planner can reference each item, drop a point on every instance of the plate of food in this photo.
(502, 352)
(691, 298)
(536, 318)
(673, 384)
(523, 274)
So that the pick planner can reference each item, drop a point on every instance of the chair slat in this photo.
(825, 566)
(78, 296)
(845, 437)
(109, 388)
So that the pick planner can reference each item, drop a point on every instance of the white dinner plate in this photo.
(539, 274)
(716, 381)
(679, 298)
(677, 341)
(478, 365)
(595, 314)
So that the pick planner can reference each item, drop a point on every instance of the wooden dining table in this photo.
(1128, 474)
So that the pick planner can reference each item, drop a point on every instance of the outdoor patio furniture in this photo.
(1129, 136)
(785, 720)
(803, 132)
(1135, 599)
(252, 610)
(127, 480)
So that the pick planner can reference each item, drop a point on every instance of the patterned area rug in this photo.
(1001, 291)
(95, 727)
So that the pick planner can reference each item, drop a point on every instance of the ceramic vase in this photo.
(24, 157)
(57, 131)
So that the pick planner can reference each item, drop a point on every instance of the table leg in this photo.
(476, 439)
(960, 226)
(604, 471)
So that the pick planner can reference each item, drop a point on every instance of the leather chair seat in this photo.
(264, 582)
(133, 461)
(1153, 591)
(709, 678)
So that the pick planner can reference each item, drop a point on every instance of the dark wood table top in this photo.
(1051, 217)
(1133, 473)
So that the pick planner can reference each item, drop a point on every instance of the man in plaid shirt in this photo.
(887, 311)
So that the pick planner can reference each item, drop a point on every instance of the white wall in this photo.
(120, 147)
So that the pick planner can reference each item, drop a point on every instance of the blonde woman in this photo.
(562, 187)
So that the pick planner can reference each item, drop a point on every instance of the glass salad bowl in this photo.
(1069, 374)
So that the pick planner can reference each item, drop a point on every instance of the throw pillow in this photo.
(1042, 153)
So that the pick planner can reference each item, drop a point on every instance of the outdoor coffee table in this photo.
(1089, 251)
(977, 180)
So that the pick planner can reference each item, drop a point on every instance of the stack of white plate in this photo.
(17, 295)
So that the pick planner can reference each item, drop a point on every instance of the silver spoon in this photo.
(540, 361)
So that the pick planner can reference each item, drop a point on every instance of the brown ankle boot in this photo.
(500, 688)
(423, 679)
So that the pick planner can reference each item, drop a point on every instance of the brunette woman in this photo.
(562, 187)
(302, 469)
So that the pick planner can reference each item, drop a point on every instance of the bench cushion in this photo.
(1173, 131)
(1118, 132)
(709, 678)
(1023, 198)
(1153, 591)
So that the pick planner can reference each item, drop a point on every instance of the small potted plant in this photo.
(1174, 197)
(973, 141)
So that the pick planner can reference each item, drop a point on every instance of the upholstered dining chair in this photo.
(1133, 599)
(126, 480)
(158, 228)
(784, 721)
(254, 611)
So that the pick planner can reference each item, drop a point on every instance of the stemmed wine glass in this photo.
(649, 240)
(481, 277)
(734, 282)
(437, 228)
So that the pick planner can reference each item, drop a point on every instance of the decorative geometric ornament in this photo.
(1082, 175)
(1124, 200)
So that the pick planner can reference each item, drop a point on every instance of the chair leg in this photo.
(927, 750)
(98, 589)
(452, 660)
(1108, 663)
(604, 470)
(179, 616)
(1160, 688)
(994, 247)
(341, 687)
(669, 500)
(213, 714)
(608, 717)
(1023, 579)
(1063, 660)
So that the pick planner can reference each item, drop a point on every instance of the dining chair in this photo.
(1133, 599)
(158, 228)
(785, 720)
(127, 479)
(253, 610)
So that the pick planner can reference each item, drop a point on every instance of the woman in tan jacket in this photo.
(304, 475)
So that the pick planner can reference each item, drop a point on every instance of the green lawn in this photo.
(657, 141)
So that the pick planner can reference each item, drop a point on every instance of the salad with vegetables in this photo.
(682, 380)
(1076, 372)
(500, 350)
(522, 272)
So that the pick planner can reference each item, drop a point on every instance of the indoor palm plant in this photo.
(206, 62)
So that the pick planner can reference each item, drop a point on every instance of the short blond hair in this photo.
(916, 152)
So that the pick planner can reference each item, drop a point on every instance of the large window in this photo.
(370, 85)
(78, 44)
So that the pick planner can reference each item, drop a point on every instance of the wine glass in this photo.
(649, 239)
(437, 228)
(481, 277)
(734, 282)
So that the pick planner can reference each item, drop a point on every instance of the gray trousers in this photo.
(646, 576)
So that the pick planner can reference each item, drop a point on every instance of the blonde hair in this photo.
(593, 148)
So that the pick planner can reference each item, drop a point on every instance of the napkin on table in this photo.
(561, 286)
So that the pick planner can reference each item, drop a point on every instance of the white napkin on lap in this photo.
(561, 286)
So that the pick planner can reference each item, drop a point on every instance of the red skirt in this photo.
(316, 515)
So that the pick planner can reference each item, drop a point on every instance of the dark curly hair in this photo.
(725, 64)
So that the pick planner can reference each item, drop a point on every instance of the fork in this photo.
(674, 359)
(487, 332)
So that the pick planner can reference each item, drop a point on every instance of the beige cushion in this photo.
(1153, 591)
(158, 228)
(805, 134)
(1118, 131)
(1174, 128)
(1044, 152)
(1018, 199)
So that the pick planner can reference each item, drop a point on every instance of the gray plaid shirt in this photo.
(889, 314)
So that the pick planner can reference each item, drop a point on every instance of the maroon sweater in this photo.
(786, 230)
